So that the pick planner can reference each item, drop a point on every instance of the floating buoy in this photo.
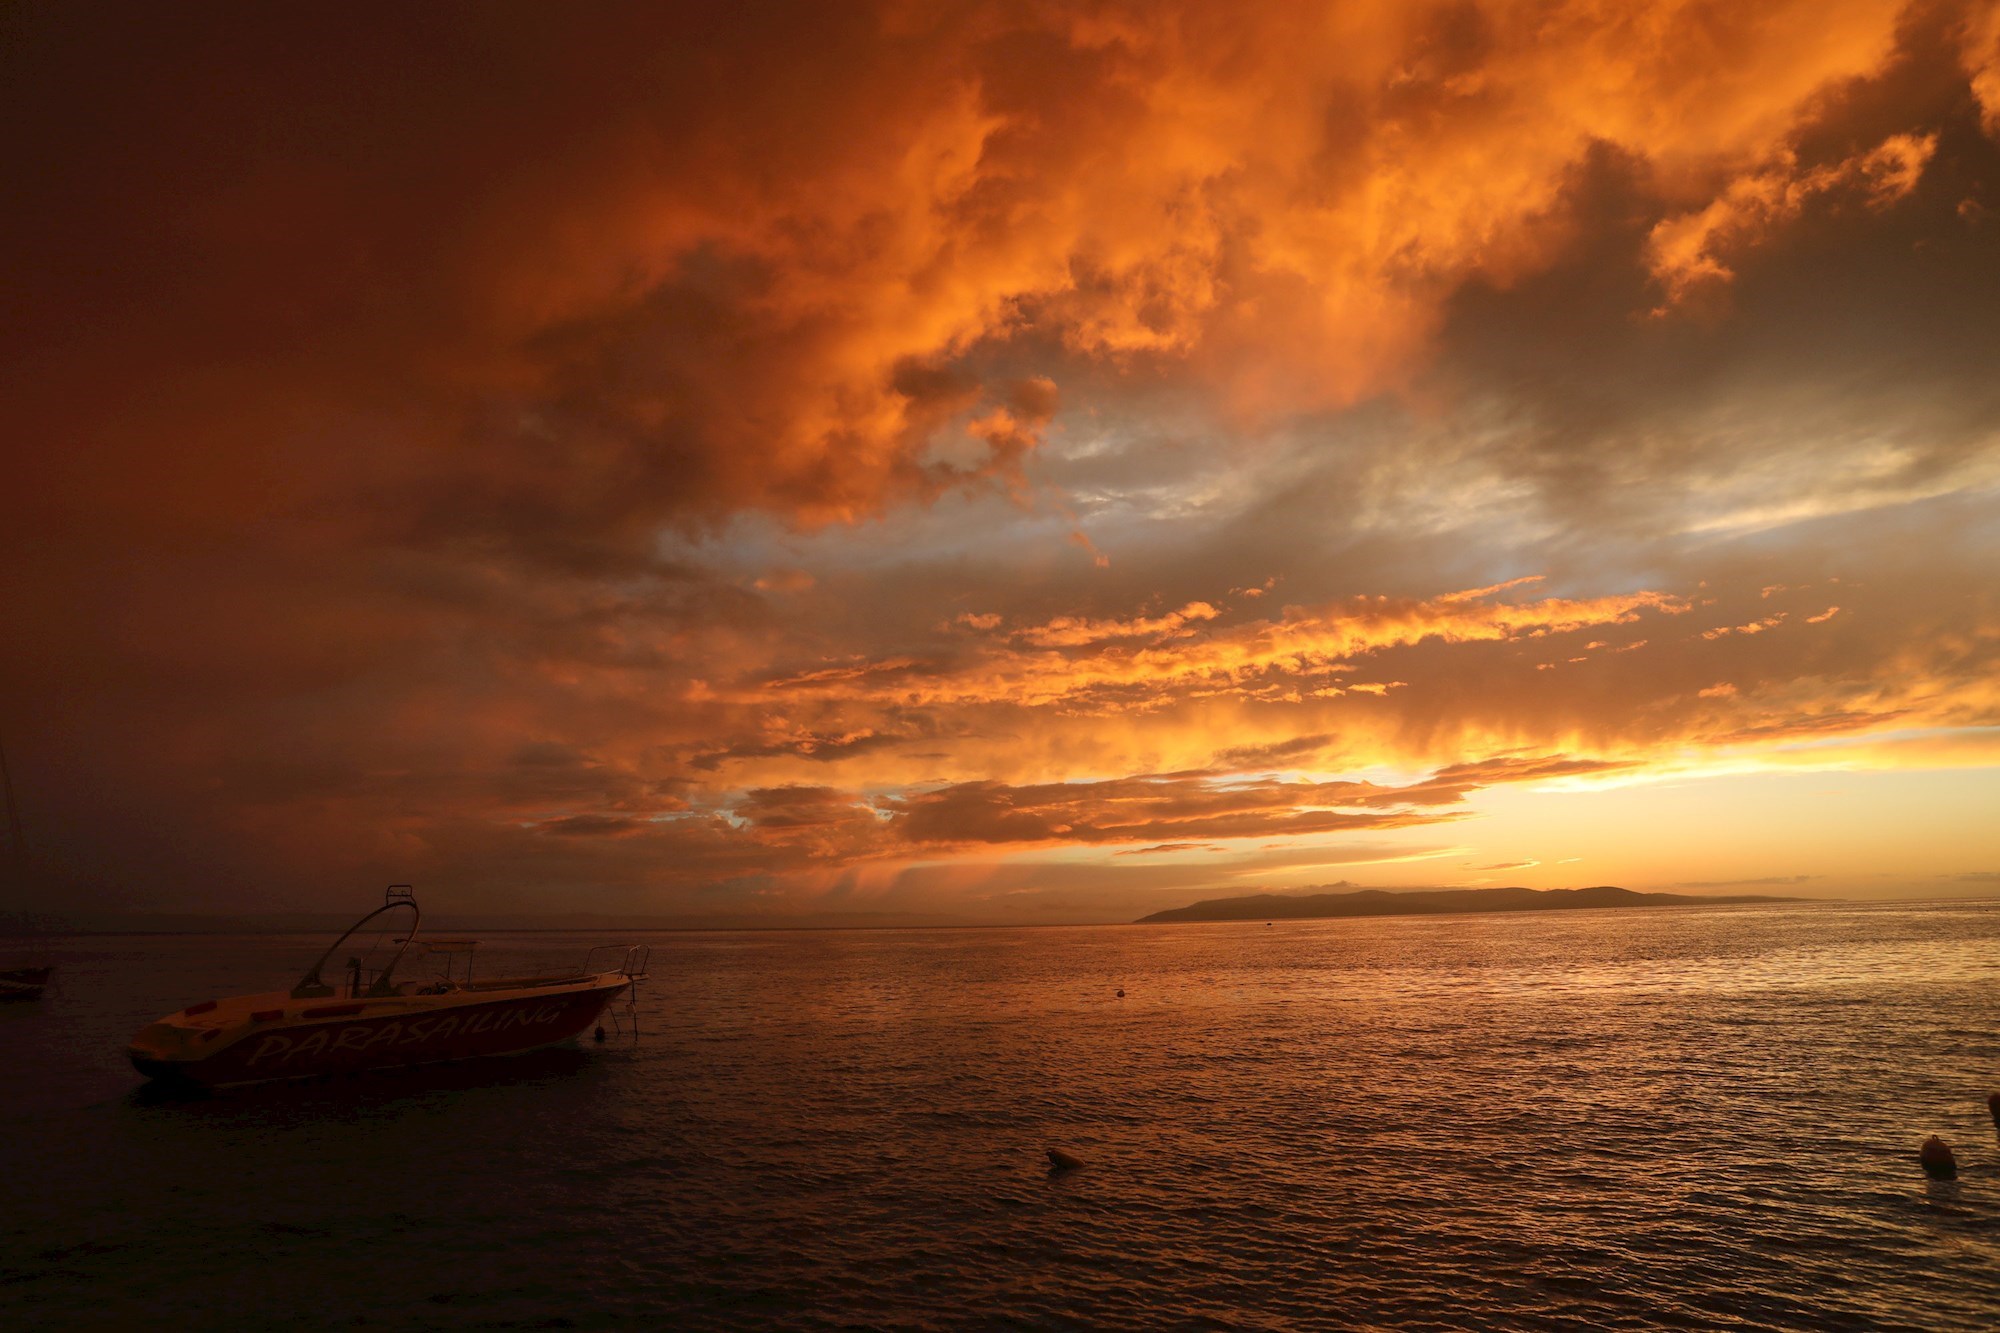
(599, 1034)
(1937, 1160)
(1993, 1105)
(1121, 994)
(1062, 1161)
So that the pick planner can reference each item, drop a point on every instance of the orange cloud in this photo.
(1750, 627)
(1686, 252)
(790, 269)
(1979, 50)
(1301, 646)
(1074, 632)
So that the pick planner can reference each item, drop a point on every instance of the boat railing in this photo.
(631, 965)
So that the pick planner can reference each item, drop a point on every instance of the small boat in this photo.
(372, 1019)
(24, 983)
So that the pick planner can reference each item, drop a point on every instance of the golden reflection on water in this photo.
(1627, 1119)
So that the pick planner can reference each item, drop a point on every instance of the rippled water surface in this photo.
(1642, 1119)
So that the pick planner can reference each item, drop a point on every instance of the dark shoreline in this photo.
(1439, 902)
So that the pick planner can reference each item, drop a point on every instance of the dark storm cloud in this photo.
(1845, 325)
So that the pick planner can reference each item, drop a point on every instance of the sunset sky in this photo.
(998, 462)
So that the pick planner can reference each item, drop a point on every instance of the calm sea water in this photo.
(1699, 1118)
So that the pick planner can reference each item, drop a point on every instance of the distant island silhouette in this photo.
(1426, 902)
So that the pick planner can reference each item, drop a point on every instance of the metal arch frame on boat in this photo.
(311, 987)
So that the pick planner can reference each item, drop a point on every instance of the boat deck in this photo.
(410, 997)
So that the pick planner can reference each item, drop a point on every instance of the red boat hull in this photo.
(339, 1038)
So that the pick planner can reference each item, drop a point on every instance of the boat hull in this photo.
(24, 983)
(335, 1037)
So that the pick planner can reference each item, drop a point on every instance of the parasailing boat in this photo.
(374, 1019)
